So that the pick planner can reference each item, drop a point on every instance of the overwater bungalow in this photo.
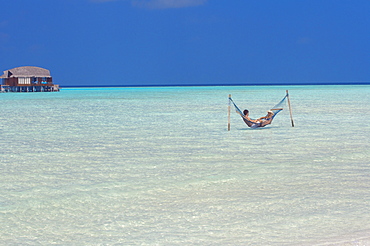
(27, 79)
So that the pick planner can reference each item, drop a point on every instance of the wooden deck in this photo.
(42, 88)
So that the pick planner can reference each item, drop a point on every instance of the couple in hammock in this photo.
(260, 122)
(265, 120)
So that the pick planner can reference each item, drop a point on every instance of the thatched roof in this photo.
(27, 71)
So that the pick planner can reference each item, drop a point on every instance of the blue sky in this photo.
(167, 42)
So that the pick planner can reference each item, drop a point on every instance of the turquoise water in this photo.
(157, 166)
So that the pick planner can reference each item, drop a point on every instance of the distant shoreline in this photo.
(205, 85)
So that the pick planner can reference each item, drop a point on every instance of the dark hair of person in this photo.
(246, 111)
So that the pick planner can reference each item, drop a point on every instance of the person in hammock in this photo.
(260, 122)
(266, 120)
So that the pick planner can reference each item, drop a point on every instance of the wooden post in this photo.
(228, 114)
(290, 109)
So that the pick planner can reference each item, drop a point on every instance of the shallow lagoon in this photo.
(157, 166)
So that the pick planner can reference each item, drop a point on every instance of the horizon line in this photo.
(234, 84)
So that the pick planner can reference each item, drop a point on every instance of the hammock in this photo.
(254, 123)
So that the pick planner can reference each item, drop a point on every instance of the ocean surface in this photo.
(157, 166)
